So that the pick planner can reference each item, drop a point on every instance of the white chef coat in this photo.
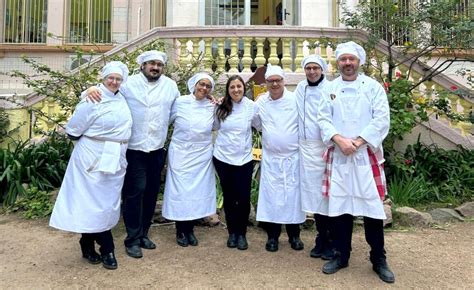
(279, 193)
(190, 189)
(358, 108)
(150, 104)
(233, 144)
(89, 198)
(311, 147)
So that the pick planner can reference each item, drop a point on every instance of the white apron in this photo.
(89, 198)
(190, 189)
(279, 199)
(312, 168)
(353, 190)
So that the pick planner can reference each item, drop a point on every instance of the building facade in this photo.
(45, 30)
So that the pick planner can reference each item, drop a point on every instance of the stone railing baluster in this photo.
(234, 56)
(247, 58)
(273, 58)
(286, 60)
(260, 58)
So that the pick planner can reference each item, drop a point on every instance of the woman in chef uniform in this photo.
(89, 199)
(233, 158)
(190, 190)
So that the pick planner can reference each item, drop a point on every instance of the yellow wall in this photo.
(17, 117)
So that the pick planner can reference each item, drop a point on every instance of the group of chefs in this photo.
(321, 154)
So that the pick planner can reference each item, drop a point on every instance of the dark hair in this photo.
(225, 108)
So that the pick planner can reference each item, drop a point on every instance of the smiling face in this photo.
(202, 89)
(313, 72)
(152, 70)
(235, 89)
(275, 86)
(348, 65)
(112, 82)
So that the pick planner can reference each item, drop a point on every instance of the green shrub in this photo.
(33, 165)
(429, 174)
(408, 190)
(34, 204)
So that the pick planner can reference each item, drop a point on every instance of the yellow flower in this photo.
(420, 100)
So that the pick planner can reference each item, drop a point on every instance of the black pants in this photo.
(185, 227)
(342, 229)
(103, 239)
(236, 184)
(323, 226)
(274, 230)
(140, 192)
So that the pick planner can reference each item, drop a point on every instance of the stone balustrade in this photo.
(242, 49)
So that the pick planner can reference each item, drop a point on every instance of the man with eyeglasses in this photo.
(354, 121)
(150, 95)
(279, 196)
(308, 96)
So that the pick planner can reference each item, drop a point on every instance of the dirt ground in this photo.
(35, 256)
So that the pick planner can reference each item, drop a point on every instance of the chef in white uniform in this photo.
(308, 96)
(190, 189)
(279, 193)
(354, 121)
(233, 158)
(89, 199)
(150, 95)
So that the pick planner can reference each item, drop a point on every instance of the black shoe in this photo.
(232, 241)
(91, 256)
(328, 254)
(134, 251)
(333, 266)
(192, 239)
(322, 252)
(242, 242)
(182, 240)
(146, 243)
(89, 253)
(271, 245)
(384, 272)
(296, 243)
(316, 252)
(109, 261)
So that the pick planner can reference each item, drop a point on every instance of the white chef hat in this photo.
(351, 48)
(273, 70)
(314, 58)
(152, 55)
(196, 78)
(117, 67)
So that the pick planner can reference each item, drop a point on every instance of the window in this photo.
(25, 21)
(452, 34)
(89, 21)
(400, 33)
(158, 13)
(224, 12)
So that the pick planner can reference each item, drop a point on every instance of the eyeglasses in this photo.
(117, 79)
(310, 68)
(276, 81)
(204, 85)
